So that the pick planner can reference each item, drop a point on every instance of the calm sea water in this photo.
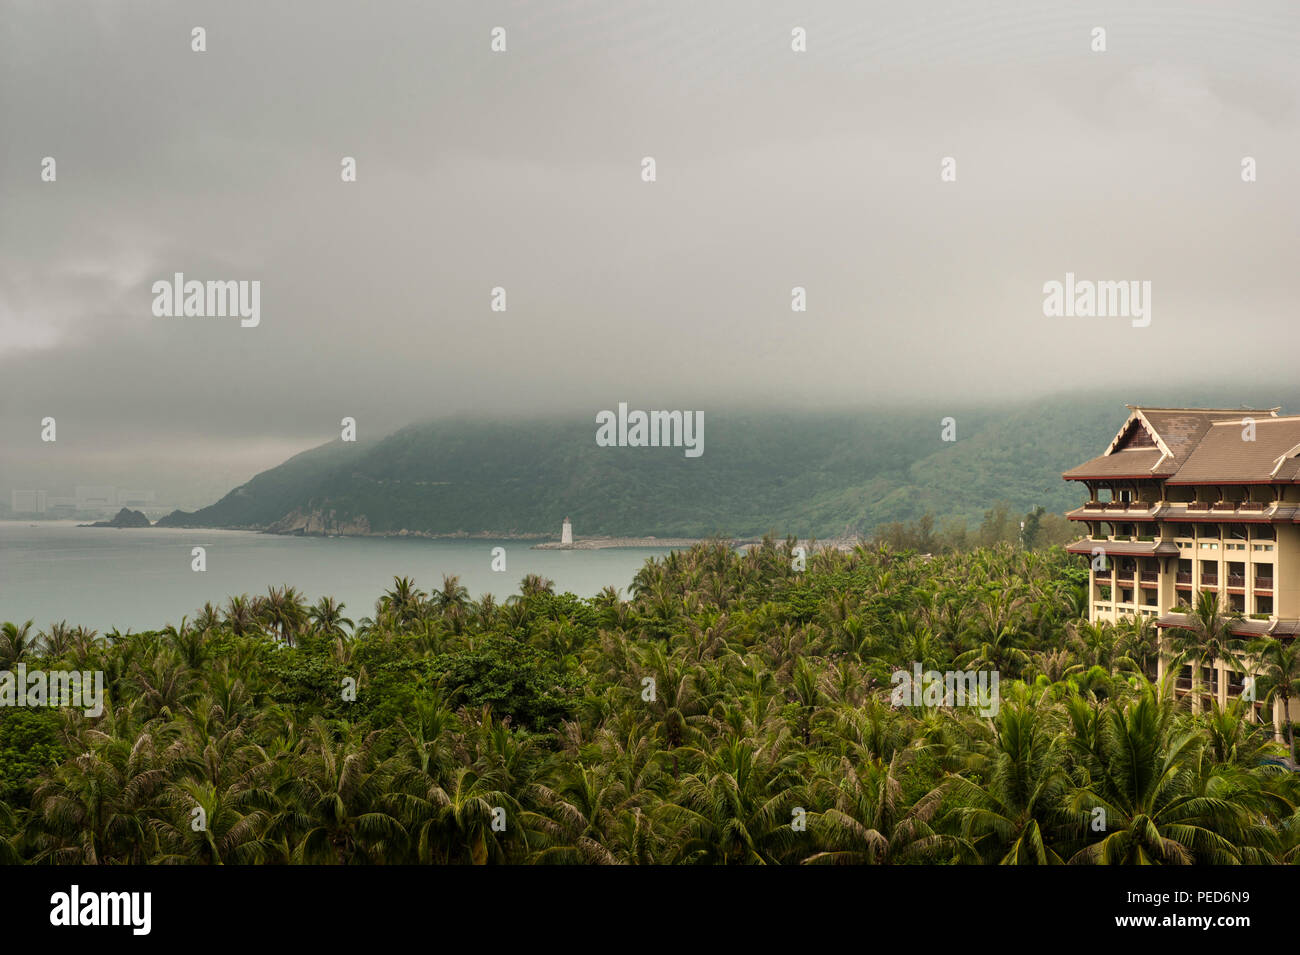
(140, 578)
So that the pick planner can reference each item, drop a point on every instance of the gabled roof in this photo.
(1158, 442)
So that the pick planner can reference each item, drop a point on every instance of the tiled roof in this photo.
(1125, 548)
(1200, 446)
(1181, 429)
(1137, 463)
(1223, 455)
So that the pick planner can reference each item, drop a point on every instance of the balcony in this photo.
(1125, 575)
(1236, 580)
(1150, 576)
(1183, 578)
(1209, 580)
(1264, 583)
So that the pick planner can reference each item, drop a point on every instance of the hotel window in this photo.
(1264, 604)
(1210, 679)
(1184, 530)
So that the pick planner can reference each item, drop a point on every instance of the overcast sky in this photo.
(523, 170)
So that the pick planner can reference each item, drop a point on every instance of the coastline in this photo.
(675, 543)
(542, 541)
(605, 543)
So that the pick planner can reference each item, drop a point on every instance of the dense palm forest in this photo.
(734, 710)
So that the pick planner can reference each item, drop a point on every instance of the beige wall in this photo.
(1286, 572)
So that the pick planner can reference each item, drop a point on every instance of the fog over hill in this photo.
(822, 474)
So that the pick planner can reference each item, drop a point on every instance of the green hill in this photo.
(807, 473)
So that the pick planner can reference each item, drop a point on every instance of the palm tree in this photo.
(228, 830)
(534, 584)
(451, 596)
(16, 644)
(327, 618)
(1015, 816)
(284, 610)
(868, 822)
(1277, 669)
(738, 807)
(404, 603)
(1138, 646)
(461, 821)
(208, 618)
(241, 616)
(1095, 642)
(1143, 774)
(578, 819)
(56, 641)
(1206, 637)
(95, 808)
(338, 817)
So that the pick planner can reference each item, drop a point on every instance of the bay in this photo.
(141, 579)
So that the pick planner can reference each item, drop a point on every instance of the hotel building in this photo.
(1192, 499)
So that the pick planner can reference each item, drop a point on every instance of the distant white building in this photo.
(135, 498)
(566, 532)
(28, 502)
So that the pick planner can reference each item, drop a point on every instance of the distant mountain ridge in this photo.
(798, 472)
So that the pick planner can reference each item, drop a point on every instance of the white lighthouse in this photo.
(566, 532)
